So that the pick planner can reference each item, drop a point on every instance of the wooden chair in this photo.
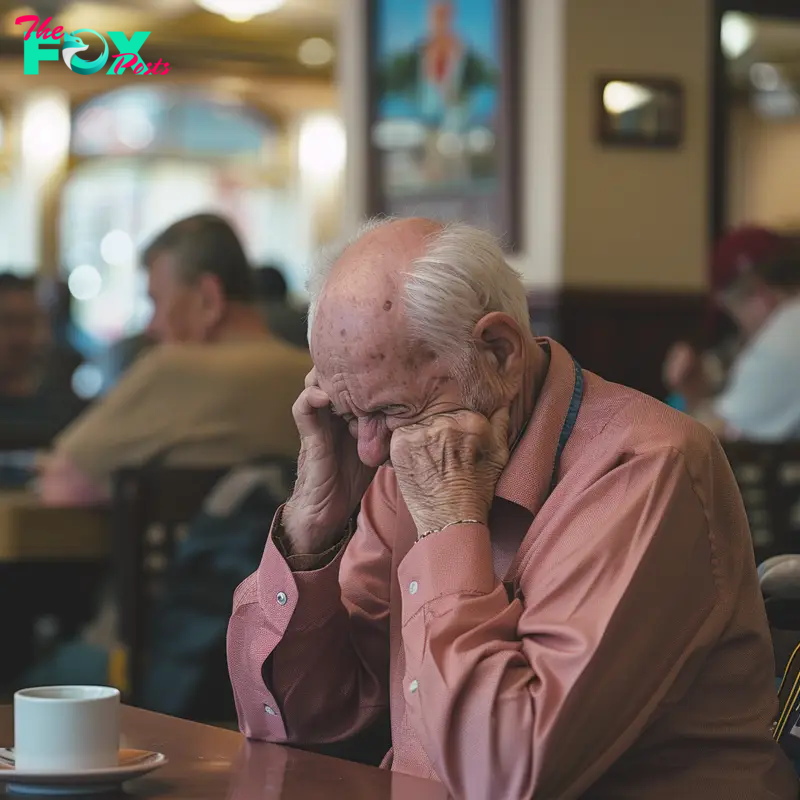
(769, 479)
(150, 511)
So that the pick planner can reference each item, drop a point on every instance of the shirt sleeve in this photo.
(308, 653)
(130, 424)
(762, 399)
(537, 699)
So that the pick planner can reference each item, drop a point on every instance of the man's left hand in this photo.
(448, 465)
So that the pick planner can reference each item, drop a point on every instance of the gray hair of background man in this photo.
(462, 276)
(206, 244)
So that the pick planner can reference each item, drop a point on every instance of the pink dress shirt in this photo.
(634, 660)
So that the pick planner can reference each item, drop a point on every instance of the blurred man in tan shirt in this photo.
(218, 391)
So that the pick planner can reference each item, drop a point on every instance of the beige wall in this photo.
(591, 217)
(763, 170)
(636, 219)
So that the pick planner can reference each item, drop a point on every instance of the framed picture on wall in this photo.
(639, 112)
(443, 111)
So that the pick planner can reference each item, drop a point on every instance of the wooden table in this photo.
(30, 531)
(208, 763)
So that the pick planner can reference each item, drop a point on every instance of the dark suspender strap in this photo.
(566, 431)
(569, 421)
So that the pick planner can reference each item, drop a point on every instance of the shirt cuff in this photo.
(306, 562)
(297, 600)
(456, 560)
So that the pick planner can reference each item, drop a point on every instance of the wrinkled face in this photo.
(377, 387)
(376, 382)
(21, 324)
(180, 311)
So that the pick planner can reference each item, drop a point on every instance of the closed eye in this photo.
(394, 410)
(345, 415)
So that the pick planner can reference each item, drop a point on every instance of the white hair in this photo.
(462, 276)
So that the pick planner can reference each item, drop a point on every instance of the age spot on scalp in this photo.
(387, 306)
(343, 332)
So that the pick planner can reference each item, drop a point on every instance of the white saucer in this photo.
(132, 764)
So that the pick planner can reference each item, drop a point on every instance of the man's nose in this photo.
(373, 441)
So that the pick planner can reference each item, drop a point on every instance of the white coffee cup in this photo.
(66, 728)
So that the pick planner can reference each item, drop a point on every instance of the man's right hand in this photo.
(331, 479)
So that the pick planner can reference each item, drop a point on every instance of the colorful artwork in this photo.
(440, 131)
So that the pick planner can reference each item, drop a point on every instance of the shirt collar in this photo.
(526, 478)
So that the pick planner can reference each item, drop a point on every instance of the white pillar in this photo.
(351, 61)
(542, 142)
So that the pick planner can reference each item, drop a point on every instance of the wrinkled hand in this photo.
(448, 465)
(331, 479)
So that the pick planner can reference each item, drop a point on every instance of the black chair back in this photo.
(768, 476)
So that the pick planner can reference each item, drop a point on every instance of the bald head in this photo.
(376, 264)
(364, 289)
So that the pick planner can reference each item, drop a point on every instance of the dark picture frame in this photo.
(639, 111)
(489, 194)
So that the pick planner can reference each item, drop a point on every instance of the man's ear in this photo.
(500, 337)
(212, 299)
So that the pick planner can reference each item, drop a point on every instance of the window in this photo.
(167, 122)
(146, 158)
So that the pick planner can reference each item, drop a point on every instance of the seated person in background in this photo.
(219, 391)
(34, 405)
(283, 319)
(550, 585)
(760, 400)
(693, 377)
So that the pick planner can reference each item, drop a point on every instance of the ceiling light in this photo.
(240, 10)
(737, 34)
(46, 127)
(322, 146)
(315, 52)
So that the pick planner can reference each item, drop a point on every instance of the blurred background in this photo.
(246, 123)
(266, 116)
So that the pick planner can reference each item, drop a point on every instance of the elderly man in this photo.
(550, 584)
(219, 391)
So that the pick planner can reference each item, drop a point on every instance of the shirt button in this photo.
(412, 587)
(413, 686)
(269, 709)
(282, 598)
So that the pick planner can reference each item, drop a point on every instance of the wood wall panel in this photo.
(622, 336)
